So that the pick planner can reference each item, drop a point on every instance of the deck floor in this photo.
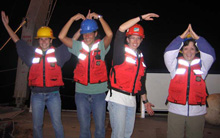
(148, 127)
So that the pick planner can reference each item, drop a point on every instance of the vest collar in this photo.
(49, 51)
(132, 52)
(86, 47)
(184, 62)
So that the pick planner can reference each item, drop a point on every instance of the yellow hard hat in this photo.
(45, 31)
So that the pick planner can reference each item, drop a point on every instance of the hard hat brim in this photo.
(45, 36)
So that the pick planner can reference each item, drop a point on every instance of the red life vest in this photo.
(188, 84)
(49, 76)
(126, 77)
(90, 67)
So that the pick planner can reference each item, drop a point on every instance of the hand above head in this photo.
(78, 16)
(186, 32)
(63, 33)
(88, 16)
(149, 16)
(192, 33)
(92, 15)
(189, 31)
(5, 19)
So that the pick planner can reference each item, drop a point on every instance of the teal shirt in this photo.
(90, 88)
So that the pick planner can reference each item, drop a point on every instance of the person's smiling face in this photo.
(89, 38)
(189, 52)
(45, 43)
(134, 41)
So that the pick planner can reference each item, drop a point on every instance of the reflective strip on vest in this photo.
(51, 59)
(36, 60)
(183, 62)
(195, 61)
(198, 71)
(144, 65)
(50, 51)
(85, 47)
(141, 55)
(39, 51)
(130, 51)
(130, 60)
(95, 46)
(180, 71)
(82, 56)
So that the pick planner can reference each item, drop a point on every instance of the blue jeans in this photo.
(122, 120)
(87, 104)
(53, 103)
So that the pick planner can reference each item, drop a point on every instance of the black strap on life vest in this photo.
(110, 87)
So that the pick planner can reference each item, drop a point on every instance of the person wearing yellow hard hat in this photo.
(127, 77)
(45, 31)
(45, 37)
(188, 58)
(90, 73)
(45, 76)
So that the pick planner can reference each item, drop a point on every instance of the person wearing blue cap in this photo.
(188, 58)
(90, 73)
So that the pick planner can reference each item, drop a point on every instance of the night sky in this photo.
(173, 21)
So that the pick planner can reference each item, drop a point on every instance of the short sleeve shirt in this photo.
(90, 88)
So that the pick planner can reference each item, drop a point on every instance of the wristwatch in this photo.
(146, 101)
(99, 16)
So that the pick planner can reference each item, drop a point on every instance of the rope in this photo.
(50, 12)
(7, 70)
(23, 23)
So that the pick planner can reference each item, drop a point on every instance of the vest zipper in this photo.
(44, 84)
(89, 67)
(188, 87)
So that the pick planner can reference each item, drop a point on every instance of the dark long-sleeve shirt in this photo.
(27, 53)
(119, 56)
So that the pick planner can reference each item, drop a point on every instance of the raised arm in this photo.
(131, 22)
(171, 53)
(63, 33)
(189, 31)
(207, 52)
(5, 21)
(106, 28)
(76, 35)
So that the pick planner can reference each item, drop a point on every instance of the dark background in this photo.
(173, 21)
